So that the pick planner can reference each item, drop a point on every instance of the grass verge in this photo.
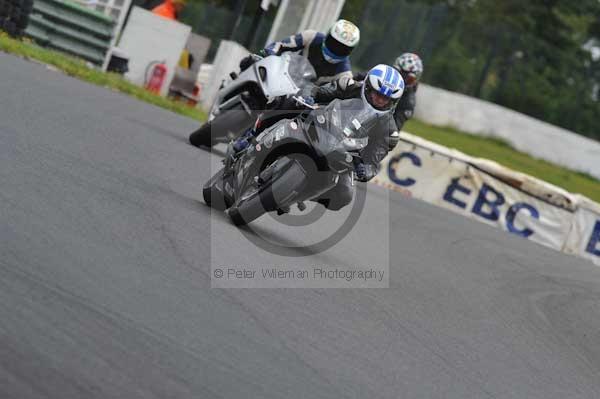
(501, 152)
(78, 69)
(482, 147)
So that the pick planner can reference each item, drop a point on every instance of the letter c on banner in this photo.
(512, 213)
(494, 203)
(593, 246)
(392, 171)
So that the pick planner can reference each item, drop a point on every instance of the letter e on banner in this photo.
(449, 194)
(492, 203)
(392, 168)
(512, 214)
(593, 246)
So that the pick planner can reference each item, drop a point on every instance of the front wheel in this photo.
(287, 180)
(213, 192)
(231, 122)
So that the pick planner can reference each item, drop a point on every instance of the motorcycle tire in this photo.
(212, 195)
(291, 179)
(210, 133)
(203, 136)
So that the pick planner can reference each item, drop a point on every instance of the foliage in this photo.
(525, 55)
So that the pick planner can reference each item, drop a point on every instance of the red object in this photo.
(166, 10)
(195, 95)
(159, 73)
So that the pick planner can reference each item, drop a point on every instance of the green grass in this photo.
(501, 152)
(482, 147)
(78, 68)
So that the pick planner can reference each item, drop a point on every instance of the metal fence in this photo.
(71, 28)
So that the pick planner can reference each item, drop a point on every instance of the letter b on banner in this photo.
(492, 204)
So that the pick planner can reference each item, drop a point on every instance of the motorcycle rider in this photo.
(411, 69)
(329, 54)
(381, 90)
(410, 66)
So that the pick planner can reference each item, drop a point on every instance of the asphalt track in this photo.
(105, 276)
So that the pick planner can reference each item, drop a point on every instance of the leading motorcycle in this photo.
(294, 160)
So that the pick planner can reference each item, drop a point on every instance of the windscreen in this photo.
(302, 73)
(345, 124)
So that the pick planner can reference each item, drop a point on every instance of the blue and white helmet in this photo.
(383, 88)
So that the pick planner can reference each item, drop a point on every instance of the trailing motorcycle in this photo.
(254, 90)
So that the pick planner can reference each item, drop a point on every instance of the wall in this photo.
(542, 140)
(227, 60)
(148, 38)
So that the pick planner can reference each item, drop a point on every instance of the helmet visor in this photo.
(378, 100)
(337, 48)
(410, 79)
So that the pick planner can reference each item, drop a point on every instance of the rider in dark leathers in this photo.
(411, 69)
(370, 157)
(328, 53)
(380, 130)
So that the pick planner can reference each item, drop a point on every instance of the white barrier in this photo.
(149, 38)
(540, 139)
(584, 238)
(488, 192)
(226, 61)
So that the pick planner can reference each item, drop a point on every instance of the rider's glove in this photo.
(364, 172)
(361, 172)
(247, 61)
(360, 76)
(309, 100)
(301, 101)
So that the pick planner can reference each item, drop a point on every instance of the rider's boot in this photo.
(283, 210)
(242, 142)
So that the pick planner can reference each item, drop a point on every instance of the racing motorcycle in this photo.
(254, 90)
(292, 161)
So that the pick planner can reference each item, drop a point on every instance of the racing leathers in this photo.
(309, 44)
(367, 165)
(406, 106)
